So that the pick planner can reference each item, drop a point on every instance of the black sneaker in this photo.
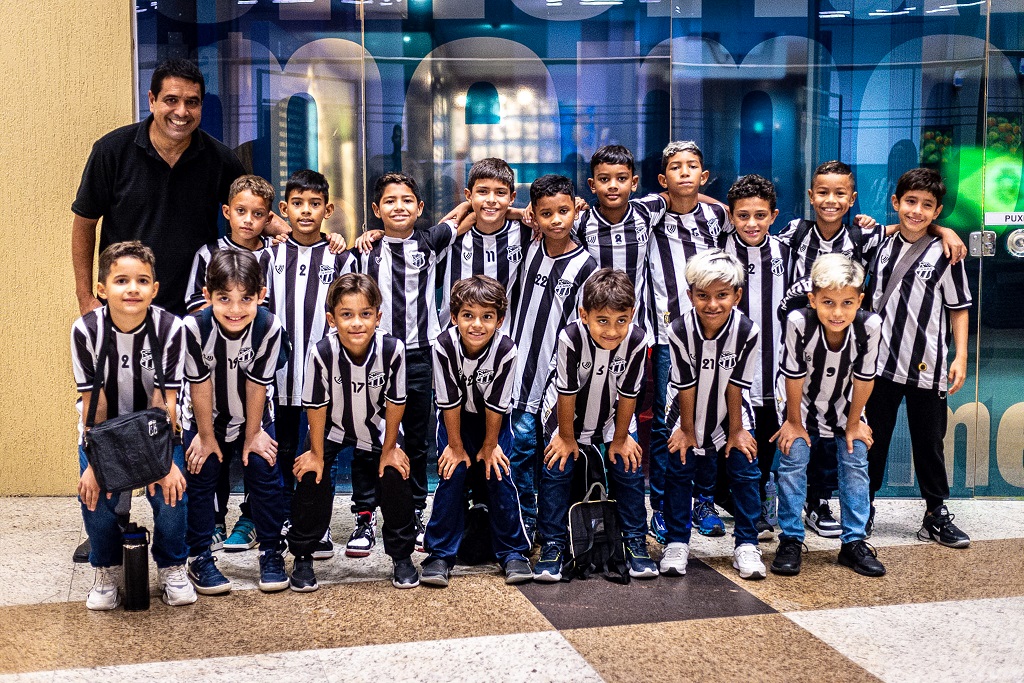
(518, 571)
(405, 574)
(420, 530)
(820, 519)
(788, 557)
(303, 578)
(765, 531)
(871, 524)
(435, 572)
(324, 549)
(861, 558)
(938, 526)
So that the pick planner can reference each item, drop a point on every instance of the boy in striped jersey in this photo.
(474, 368)
(248, 212)
(692, 224)
(127, 284)
(404, 265)
(551, 285)
(304, 269)
(923, 298)
(826, 376)
(354, 392)
(232, 352)
(752, 205)
(713, 349)
(590, 401)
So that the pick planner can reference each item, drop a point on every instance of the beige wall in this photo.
(67, 79)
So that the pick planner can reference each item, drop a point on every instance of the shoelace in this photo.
(550, 553)
(106, 578)
(176, 575)
(865, 548)
(638, 548)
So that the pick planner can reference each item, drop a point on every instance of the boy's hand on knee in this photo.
(450, 459)
(744, 442)
(394, 457)
(627, 449)
(198, 451)
(559, 450)
(681, 442)
(263, 446)
(308, 462)
(172, 486)
(787, 434)
(495, 458)
(89, 489)
(858, 431)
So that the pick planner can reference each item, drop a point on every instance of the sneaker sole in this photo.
(784, 571)
(104, 607)
(518, 578)
(672, 571)
(214, 547)
(645, 574)
(236, 548)
(212, 590)
(403, 586)
(353, 553)
(716, 531)
(824, 533)
(858, 570)
(324, 554)
(436, 581)
(751, 576)
(927, 536)
(273, 586)
(179, 601)
(547, 577)
(304, 589)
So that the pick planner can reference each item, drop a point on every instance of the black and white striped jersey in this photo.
(406, 272)
(302, 276)
(710, 365)
(623, 245)
(802, 256)
(229, 363)
(678, 238)
(765, 266)
(597, 377)
(498, 255)
(915, 323)
(356, 394)
(197, 278)
(551, 291)
(130, 375)
(828, 373)
(476, 384)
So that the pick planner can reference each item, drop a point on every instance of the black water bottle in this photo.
(136, 568)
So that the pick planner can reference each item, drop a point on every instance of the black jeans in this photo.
(287, 420)
(926, 419)
(419, 385)
(313, 503)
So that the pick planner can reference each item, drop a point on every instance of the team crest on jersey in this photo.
(375, 380)
(326, 274)
(617, 366)
(670, 228)
(713, 227)
(925, 270)
(727, 361)
(376, 259)
(592, 239)
(279, 269)
(483, 377)
(777, 268)
(563, 288)
(641, 234)
(245, 355)
(515, 254)
(884, 258)
(802, 249)
(146, 359)
(417, 260)
(587, 365)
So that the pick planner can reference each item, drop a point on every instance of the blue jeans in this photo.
(266, 496)
(627, 488)
(744, 478)
(525, 460)
(661, 362)
(104, 532)
(854, 486)
(448, 518)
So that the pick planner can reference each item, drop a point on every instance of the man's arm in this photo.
(83, 248)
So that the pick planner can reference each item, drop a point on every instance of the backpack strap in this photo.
(901, 268)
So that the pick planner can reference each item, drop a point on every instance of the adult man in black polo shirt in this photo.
(161, 181)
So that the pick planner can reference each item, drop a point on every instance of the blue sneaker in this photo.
(273, 577)
(657, 530)
(549, 567)
(706, 519)
(204, 575)
(641, 566)
(220, 534)
(243, 536)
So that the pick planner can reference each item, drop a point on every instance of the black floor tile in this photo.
(703, 593)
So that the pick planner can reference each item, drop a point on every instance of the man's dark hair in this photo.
(492, 169)
(307, 180)
(550, 185)
(231, 268)
(354, 283)
(184, 69)
(834, 168)
(752, 185)
(479, 290)
(921, 179)
(616, 155)
(394, 179)
(132, 249)
(608, 288)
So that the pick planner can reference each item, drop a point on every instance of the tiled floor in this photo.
(938, 615)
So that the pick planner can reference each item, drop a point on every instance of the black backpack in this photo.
(596, 545)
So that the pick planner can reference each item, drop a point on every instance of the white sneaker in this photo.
(674, 559)
(178, 590)
(104, 594)
(747, 560)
